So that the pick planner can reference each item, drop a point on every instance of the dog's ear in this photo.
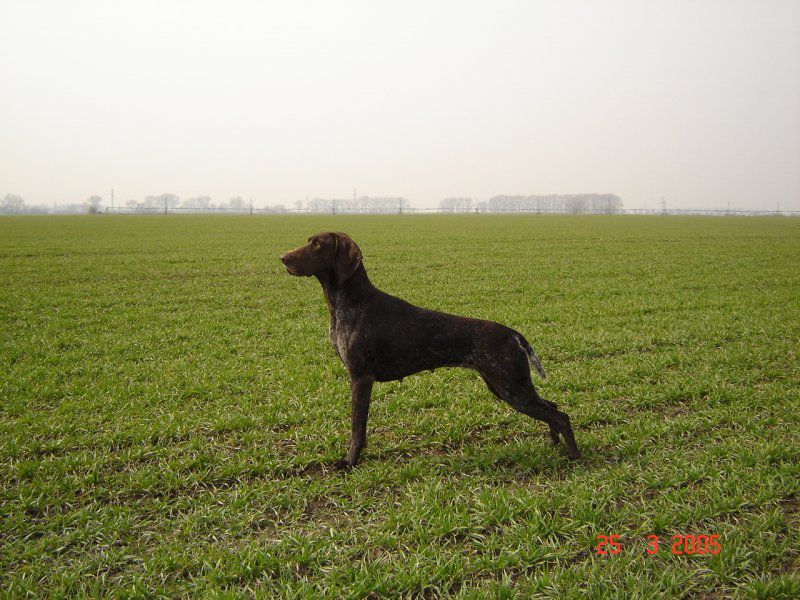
(347, 259)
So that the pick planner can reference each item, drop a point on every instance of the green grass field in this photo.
(170, 411)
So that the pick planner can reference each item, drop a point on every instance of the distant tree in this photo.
(12, 203)
(93, 204)
(161, 201)
(196, 202)
(456, 204)
(238, 202)
(319, 205)
(575, 204)
(169, 200)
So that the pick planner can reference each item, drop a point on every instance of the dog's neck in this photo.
(347, 293)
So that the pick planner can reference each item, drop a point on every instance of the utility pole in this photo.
(251, 205)
(112, 197)
(663, 205)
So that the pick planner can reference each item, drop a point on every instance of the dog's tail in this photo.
(533, 359)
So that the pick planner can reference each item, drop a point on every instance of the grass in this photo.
(170, 410)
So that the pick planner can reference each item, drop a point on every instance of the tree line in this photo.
(363, 204)
(14, 204)
(560, 203)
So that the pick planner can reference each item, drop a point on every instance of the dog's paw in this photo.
(574, 455)
(342, 465)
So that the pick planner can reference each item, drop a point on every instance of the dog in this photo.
(380, 338)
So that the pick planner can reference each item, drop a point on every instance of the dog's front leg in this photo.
(360, 392)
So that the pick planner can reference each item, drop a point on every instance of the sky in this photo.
(694, 101)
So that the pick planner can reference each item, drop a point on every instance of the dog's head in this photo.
(329, 252)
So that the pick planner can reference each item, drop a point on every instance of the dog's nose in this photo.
(284, 257)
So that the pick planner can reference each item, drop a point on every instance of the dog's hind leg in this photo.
(536, 407)
(519, 393)
(553, 430)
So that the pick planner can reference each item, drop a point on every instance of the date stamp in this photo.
(699, 544)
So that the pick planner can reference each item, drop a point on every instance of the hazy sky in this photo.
(697, 101)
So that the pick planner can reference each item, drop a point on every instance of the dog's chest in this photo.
(338, 334)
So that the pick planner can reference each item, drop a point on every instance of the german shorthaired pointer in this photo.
(381, 338)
